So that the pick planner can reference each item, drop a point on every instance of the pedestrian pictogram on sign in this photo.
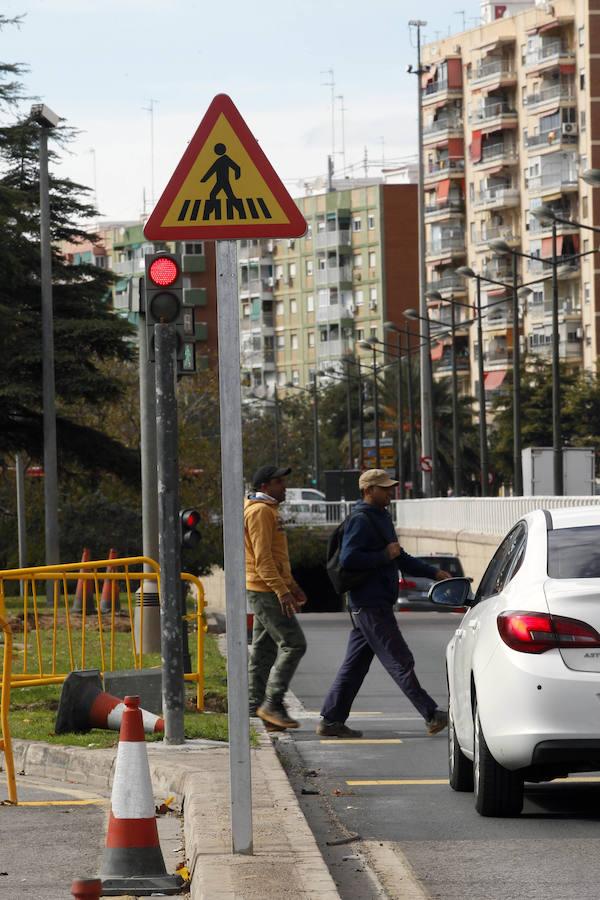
(224, 187)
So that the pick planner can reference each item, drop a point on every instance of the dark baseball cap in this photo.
(266, 473)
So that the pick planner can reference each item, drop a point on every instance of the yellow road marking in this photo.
(362, 741)
(94, 802)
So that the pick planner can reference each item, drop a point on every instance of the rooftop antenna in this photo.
(366, 162)
(150, 109)
(343, 109)
(331, 84)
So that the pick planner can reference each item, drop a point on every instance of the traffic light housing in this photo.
(189, 519)
(167, 300)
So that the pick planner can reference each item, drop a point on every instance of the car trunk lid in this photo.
(576, 599)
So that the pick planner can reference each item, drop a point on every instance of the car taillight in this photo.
(537, 632)
(403, 584)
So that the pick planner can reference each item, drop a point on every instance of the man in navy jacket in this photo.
(370, 544)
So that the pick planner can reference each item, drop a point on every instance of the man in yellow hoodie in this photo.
(278, 642)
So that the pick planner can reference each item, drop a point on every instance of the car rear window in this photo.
(574, 552)
(448, 563)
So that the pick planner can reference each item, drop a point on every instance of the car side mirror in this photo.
(452, 594)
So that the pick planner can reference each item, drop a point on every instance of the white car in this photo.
(524, 664)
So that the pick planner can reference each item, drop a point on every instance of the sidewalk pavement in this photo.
(286, 863)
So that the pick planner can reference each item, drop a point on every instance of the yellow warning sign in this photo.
(224, 187)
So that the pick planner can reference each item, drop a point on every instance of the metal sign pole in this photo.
(230, 400)
(173, 691)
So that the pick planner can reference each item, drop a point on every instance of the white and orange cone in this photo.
(84, 705)
(110, 589)
(132, 861)
(84, 592)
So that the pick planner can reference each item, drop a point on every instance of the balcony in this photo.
(497, 357)
(333, 349)
(491, 233)
(498, 270)
(454, 245)
(498, 318)
(549, 53)
(256, 286)
(496, 70)
(334, 275)
(553, 183)
(557, 93)
(452, 283)
(444, 127)
(567, 266)
(335, 313)
(445, 168)
(500, 154)
(501, 110)
(129, 267)
(449, 207)
(554, 138)
(337, 238)
(497, 197)
(439, 90)
(255, 251)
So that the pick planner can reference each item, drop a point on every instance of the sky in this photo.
(102, 65)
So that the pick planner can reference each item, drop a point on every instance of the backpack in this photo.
(342, 579)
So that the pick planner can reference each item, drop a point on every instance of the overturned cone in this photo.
(84, 705)
(132, 862)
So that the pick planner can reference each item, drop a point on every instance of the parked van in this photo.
(297, 495)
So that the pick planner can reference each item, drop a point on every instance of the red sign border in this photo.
(222, 104)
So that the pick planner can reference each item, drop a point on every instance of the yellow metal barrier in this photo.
(5, 742)
(48, 667)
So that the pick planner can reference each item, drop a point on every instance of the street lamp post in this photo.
(349, 414)
(483, 449)
(276, 423)
(556, 430)
(47, 120)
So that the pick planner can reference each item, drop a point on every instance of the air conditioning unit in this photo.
(569, 128)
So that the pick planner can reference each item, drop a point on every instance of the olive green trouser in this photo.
(278, 645)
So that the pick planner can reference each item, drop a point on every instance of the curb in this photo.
(197, 774)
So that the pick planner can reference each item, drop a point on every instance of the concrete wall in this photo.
(214, 589)
(474, 550)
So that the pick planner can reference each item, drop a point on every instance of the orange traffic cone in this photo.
(86, 889)
(110, 589)
(84, 705)
(132, 861)
(85, 590)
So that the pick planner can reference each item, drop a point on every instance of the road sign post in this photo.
(224, 188)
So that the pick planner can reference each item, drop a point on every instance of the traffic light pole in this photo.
(230, 401)
(173, 689)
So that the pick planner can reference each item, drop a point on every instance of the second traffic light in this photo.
(189, 519)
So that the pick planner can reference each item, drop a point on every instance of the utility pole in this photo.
(425, 357)
(556, 430)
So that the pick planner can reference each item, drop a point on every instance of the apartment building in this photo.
(126, 248)
(306, 303)
(510, 123)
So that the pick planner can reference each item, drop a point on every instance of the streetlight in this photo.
(435, 295)
(430, 444)
(47, 119)
(427, 432)
(369, 346)
(483, 448)
(391, 326)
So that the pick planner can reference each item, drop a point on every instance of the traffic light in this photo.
(163, 295)
(188, 521)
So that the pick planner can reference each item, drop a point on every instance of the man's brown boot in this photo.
(276, 714)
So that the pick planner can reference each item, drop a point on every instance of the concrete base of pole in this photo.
(151, 625)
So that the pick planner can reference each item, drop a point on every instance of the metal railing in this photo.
(446, 124)
(498, 67)
(446, 244)
(500, 196)
(41, 662)
(500, 152)
(5, 739)
(449, 206)
(334, 275)
(476, 515)
(447, 283)
(339, 238)
(551, 138)
(547, 51)
(493, 111)
(445, 165)
(556, 92)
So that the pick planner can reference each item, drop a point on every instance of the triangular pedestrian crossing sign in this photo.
(224, 187)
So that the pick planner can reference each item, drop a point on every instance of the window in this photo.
(309, 266)
(278, 272)
(246, 310)
(372, 259)
(281, 379)
(308, 235)
(373, 297)
(357, 260)
(194, 248)
(321, 224)
(371, 223)
(279, 308)
(582, 120)
(373, 331)
(280, 341)
(310, 303)
(292, 270)
(311, 339)
(587, 292)
(294, 341)
(359, 298)
(504, 564)
(295, 377)
(574, 552)
(323, 335)
(582, 79)
(581, 33)
(360, 334)
(293, 306)
(584, 207)
(357, 224)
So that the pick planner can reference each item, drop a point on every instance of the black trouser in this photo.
(375, 633)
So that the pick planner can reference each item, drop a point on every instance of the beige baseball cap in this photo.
(378, 477)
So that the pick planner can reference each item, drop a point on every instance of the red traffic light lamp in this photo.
(163, 271)
(189, 519)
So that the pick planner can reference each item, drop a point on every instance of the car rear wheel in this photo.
(498, 791)
(459, 767)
